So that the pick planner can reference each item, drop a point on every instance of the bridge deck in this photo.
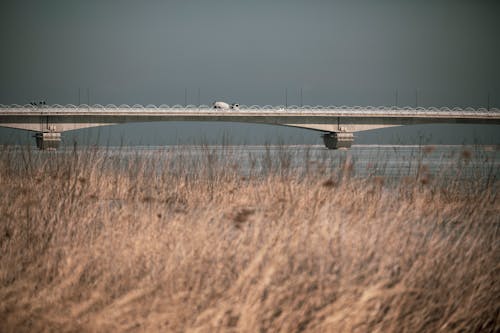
(383, 112)
(59, 118)
(338, 122)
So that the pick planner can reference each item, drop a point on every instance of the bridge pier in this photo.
(47, 140)
(336, 140)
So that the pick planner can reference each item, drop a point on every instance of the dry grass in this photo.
(103, 242)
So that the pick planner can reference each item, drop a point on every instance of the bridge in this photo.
(336, 123)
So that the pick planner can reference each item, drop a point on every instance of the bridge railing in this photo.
(306, 109)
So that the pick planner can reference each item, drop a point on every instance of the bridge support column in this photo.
(48, 140)
(336, 140)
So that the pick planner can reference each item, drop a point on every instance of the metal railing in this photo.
(277, 109)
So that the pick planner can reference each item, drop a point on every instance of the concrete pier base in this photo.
(48, 140)
(336, 140)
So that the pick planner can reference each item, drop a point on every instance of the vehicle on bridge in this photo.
(225, 106)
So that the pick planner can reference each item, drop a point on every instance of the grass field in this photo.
(99, 242)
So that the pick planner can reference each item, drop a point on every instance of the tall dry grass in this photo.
(106, 242)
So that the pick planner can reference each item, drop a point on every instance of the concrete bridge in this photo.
(336, 123)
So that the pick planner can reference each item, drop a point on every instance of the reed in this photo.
(94, 240)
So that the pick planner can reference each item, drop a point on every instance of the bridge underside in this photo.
(338, 130)
(323, 124)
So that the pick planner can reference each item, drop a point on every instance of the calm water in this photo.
(368, 160)
(467, 162)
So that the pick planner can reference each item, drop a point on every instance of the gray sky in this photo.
(355, 52)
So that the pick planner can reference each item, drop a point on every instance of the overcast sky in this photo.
(356, 52)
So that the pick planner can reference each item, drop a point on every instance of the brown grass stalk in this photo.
(96, 241)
